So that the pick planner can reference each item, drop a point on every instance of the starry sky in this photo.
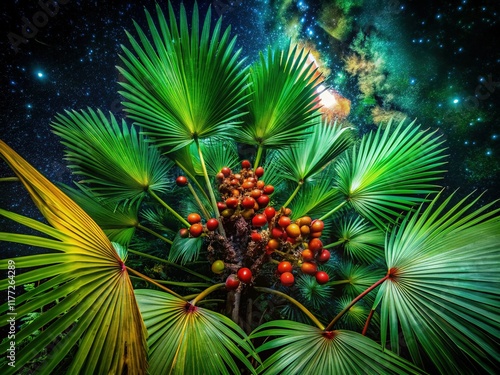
(434, 61)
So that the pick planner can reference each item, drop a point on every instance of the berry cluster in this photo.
(273, 233)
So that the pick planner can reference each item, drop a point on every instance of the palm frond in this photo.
(390, 171)
(187, 339)
(316, 198)
(219, 153)
(313, 294)
(118, 223)
(118, 164)
(355, 318)
(302, 349)
(183, 86)
(185, 250)
(356, 278)
(282, 99)
(84, 288)
(361, 241)
(443, 293)
(303, 160)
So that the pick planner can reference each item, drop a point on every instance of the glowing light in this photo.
(40, 75)
(455, 101)
(327, 99)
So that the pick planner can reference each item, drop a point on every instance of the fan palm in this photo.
(390, 171)
(85, 292)
(442, 289)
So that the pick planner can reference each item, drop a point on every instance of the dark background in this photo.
(437, 61)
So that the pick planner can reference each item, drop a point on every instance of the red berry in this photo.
(323, 256)
(245, 275)
(256, 237)
(269, 212)
(245, 164)
(268, 189)
(226, 171)
(287, 279)
(317, 226)
(260, 184)
(248, 202)
(259, 220)
(273, 244)
(193, 218)
(284, 221)
(247, 185)
(181, 181)
(220, 176)
(196, 230)
(221, 206)
(309, 268)
(285, 267)
(276, 233)
(232, 282)
(232, 202)
(255, 193)
(212, 224)
(184, 233)
(322, 277)
(259, 171)
(315, 245)
(263, 200)
(307, 255)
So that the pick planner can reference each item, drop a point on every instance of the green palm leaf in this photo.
(359, 239)
(185, 249)
(305, 159)
(187, 339)
(118, 163)
(183, 86)
(385, 175)
(356, 278)
(219, 153)
(282, 99)
(302, 349)
(119, 224)
(443, 290)
(84, 292)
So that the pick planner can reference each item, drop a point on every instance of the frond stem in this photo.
(333, 244)
(209, 187)
(260, 149)
(170, 264)
(153, 282)
(353, 302)
(164, 204)
(192, 178)
(198, 201)
(9, 179)
(333, 211)
(206, 292)
(150, 231)
(178, 283)
(299, 185)
(367, 323)
(295, 302)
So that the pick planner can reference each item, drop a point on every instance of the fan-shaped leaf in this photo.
(185, 249)
(389, 170)
(304, 159)
(282, 99)
(302, 349)
(118, 163)
(360, 240)
(443, 293)
(187, 339)
(84, 289)
(183, 86)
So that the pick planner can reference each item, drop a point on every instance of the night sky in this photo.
(436, 61)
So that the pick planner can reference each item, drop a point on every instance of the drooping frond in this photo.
(186, 339)
(117, 163)
(181, 85)
(84, 288)
(302, 349)
(304, 159)
(390, 171)
(443, 296)
(282, 99)
(359, 239)
(118, 223)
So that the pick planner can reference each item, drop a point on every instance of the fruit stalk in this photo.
(299, 185)
(206, 292)
(198, 201)
(179, 217)
(150, 231)
(295, 302)
(209, 187)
